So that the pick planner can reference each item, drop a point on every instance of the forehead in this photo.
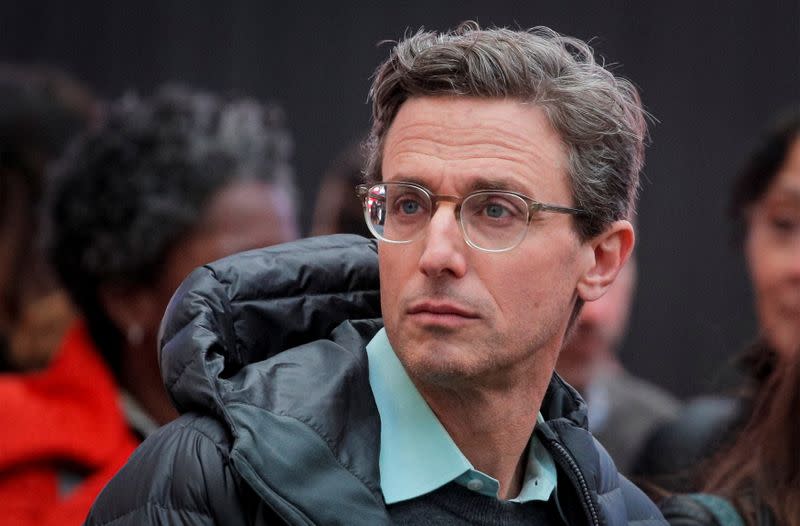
(454, 141)
(245, 214)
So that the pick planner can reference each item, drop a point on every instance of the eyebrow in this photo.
(478, 184)
(783, 194)
(486, 183)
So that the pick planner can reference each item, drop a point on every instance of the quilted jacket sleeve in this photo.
(180, 475)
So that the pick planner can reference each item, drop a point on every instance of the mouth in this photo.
(441, 314)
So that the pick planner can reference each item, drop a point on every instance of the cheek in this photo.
(762, 265)
(533, 277)
(516, 295)
(523, 296)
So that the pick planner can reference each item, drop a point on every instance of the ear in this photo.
(609, 250)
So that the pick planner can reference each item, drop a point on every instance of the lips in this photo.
(441, 309)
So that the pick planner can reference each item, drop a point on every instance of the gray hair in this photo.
(598, 116)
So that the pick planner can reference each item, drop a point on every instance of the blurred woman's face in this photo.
(244, 215)
(772, 249)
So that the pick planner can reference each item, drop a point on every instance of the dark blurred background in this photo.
(711, 73)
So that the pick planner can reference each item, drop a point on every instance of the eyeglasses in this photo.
(490, 220)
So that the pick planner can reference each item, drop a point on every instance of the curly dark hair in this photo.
(129, 191)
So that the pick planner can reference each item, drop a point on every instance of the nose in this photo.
(444, 251)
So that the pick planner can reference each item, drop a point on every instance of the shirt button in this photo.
(475, 484)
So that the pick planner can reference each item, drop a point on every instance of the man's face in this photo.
(453, 313)
(772, 248)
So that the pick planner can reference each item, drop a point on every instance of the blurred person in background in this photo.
(756, 480)
(337, 209)
(623, 409)
(41, 109)
(168, 184)
(751, 446)
(165, 184)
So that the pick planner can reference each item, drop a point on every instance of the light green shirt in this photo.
(417, 455)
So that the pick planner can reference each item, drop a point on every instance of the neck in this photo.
(492, 427)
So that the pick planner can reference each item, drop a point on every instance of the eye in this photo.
(495, 210)
(784, 224)
(408, 203)
(496, 207)
(783, 220)
(409, 206)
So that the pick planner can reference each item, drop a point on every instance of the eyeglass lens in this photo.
(490, 220)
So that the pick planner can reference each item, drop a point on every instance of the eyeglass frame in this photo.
(362, 191)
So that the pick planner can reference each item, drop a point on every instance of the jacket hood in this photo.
(248, 307)
(270, 343)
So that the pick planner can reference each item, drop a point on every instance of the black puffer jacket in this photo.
(264, 354)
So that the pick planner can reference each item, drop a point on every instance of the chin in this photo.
(444, 364)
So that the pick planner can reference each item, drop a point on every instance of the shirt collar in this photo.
(417, 454)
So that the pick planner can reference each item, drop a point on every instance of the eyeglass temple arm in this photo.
(535, 207)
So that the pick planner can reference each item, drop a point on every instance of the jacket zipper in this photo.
(584, 488)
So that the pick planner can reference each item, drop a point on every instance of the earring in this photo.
(134, 334)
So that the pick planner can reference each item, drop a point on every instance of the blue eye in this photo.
(409, 207)
(495, 211)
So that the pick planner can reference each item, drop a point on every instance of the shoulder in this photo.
(589, 467)
(640, 509)
(621, 500)
(180, 475)
(591, 472)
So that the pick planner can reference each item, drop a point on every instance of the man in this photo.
(623, 409)
(503, 165)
